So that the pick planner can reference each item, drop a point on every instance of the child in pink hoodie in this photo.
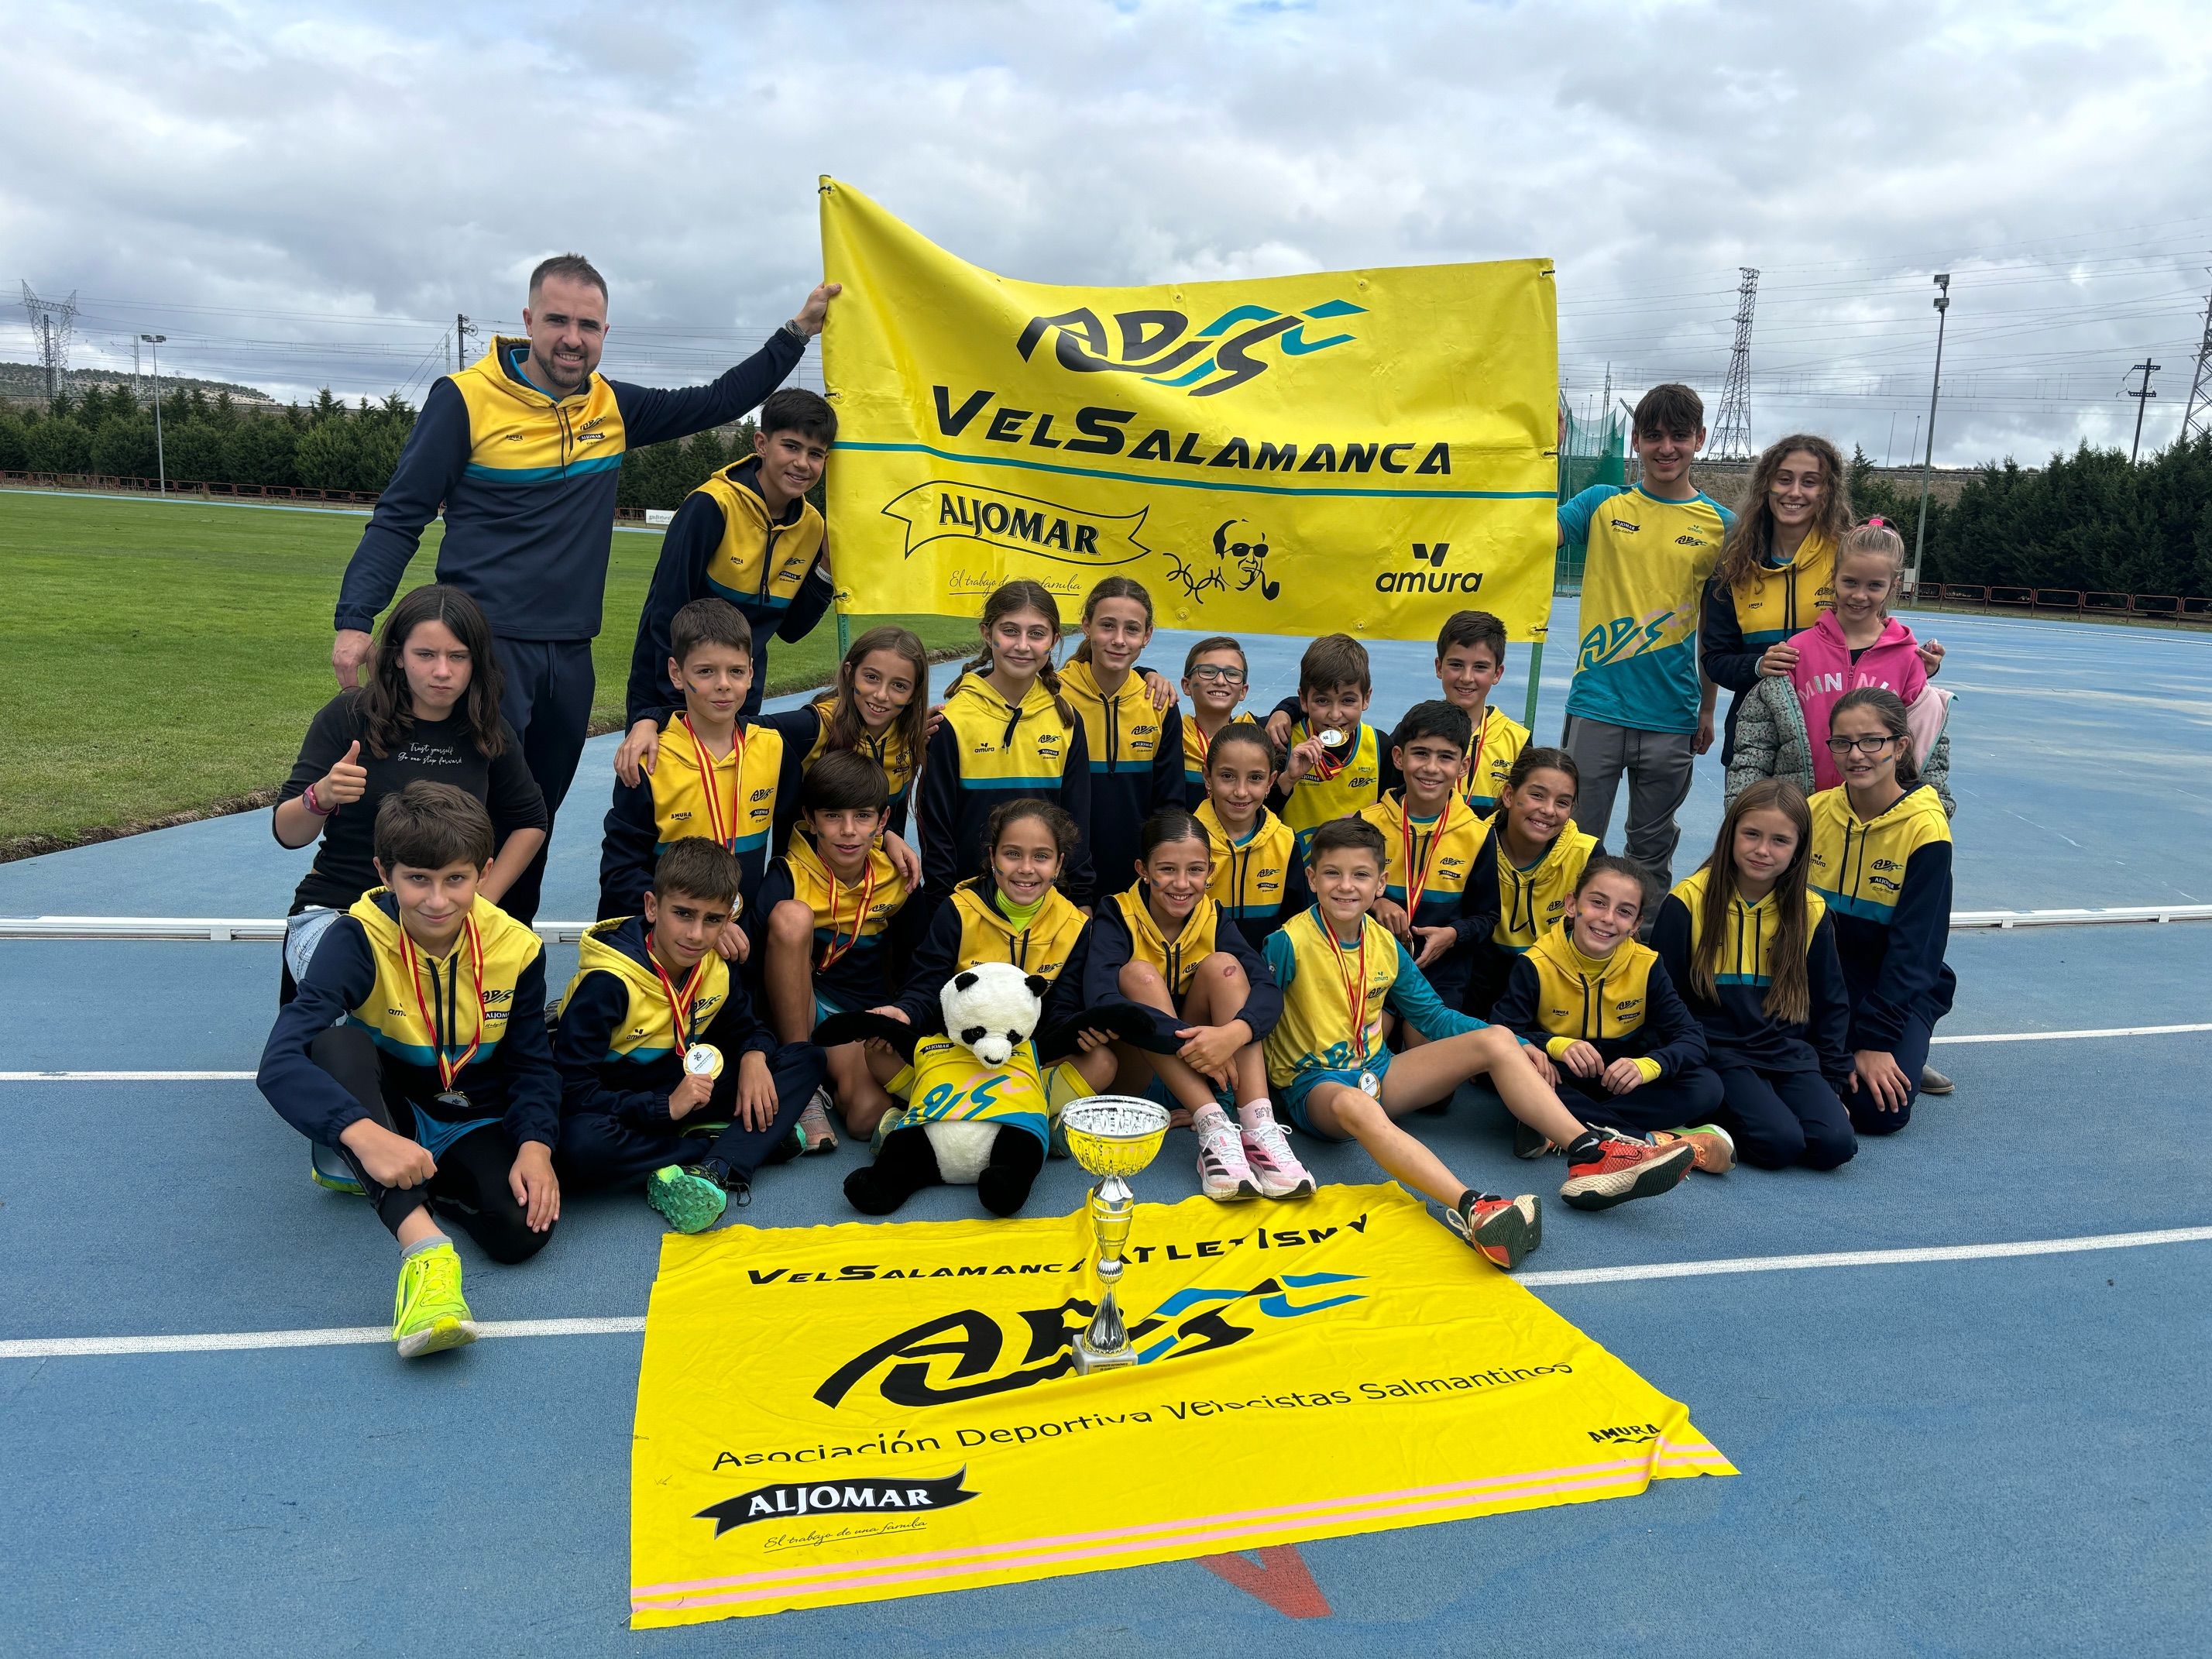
(1857, 644)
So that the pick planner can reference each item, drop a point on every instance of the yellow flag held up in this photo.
(856, 1412)
(1362, 450)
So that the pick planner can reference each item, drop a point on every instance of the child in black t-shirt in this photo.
(429, 710)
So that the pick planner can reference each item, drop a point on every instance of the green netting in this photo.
(1593, 450)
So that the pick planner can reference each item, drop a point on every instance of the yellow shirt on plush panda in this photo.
(977, 1113)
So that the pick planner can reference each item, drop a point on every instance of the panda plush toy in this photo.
(977, 1114)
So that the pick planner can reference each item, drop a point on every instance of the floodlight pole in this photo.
(1927, 459)
(161, 461)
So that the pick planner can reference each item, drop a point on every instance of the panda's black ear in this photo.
(1037, 986)
(964, 982)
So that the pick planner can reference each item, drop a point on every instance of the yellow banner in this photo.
(1367, 451)
(856, 1412)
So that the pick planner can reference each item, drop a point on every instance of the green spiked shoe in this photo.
(889, 1121)
(429, 1314)
(691, 1201)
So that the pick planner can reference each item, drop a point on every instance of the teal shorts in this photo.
(1295, 1092)
(823, 1008)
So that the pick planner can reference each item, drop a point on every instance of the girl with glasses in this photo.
(1881, 862)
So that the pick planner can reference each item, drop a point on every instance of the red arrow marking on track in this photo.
(1279, 1577)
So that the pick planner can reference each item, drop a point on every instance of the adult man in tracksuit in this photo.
(524, 448)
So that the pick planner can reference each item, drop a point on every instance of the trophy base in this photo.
(1089, 1359)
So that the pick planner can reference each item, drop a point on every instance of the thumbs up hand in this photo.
(345, 782)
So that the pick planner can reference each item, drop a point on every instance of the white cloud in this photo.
(295, 199)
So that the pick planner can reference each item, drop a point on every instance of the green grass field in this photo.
(162, 659)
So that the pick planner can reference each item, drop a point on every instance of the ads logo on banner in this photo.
(1217, 359)
(791, 1501)
(1020, 524)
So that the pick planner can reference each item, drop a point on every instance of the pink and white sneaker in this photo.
(1223, 1174)
(1274, 1166)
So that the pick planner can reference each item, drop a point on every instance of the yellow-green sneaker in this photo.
(690, 1199)
(429, 1314)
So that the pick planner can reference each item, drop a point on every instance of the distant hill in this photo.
(26, 383)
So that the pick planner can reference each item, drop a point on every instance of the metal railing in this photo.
(2070, 601)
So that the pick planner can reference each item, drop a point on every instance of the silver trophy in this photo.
(1112, 1137)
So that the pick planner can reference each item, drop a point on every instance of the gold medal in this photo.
(702, 1060)
(1332, 738)
(1370, 1085)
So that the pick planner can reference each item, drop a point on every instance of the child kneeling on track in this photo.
(828, 910)
(1613, 1033)
(1006, 732)
(1881, 860)
(1258, 878)
(1527, 868)
(1470, 662)
(878, 706)
(1135, 748)
(1336, 764)
(1338, 971)
(1215, 676)
(402, 1051)
(1013, 912)
(1753, 954)
(1434, 840)
(668, 1076)
(1166, 946)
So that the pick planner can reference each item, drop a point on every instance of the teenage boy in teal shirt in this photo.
(1639, 703)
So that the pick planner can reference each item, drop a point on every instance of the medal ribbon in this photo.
(1417, 880)
(679, 1006)
(1474, 756)
(724, 828)
(1355, 993)
(866, 890)
(447, 1071)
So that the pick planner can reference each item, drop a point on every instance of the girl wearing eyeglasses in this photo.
(1881, 859)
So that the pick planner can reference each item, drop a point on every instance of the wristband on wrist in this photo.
(791, 327)
(314, 804)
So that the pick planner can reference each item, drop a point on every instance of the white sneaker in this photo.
(1223, 1174)
(1274, 1166)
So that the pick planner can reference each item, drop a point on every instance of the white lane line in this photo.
(247, 1077)
(2062, 1036)
(1774, 1264)
(339, 1336)
(126, 1076)
(82, 1347)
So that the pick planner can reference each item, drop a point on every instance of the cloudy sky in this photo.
(302, 195)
